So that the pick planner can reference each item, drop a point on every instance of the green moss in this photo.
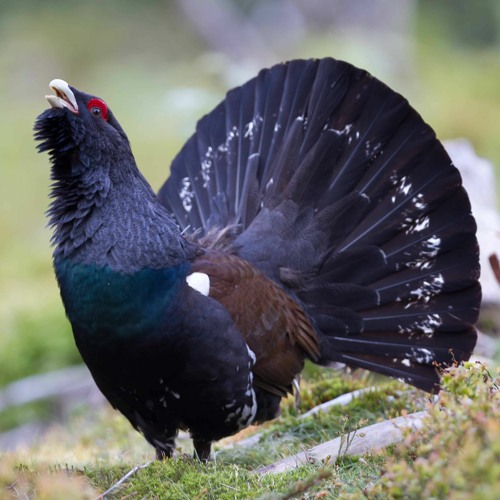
(185, 478)
(291, 433)
(457, 453)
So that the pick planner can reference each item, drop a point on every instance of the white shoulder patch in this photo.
(199, 282)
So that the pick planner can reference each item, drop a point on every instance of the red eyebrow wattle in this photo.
(99, 103)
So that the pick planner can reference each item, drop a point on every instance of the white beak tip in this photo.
(64, 96)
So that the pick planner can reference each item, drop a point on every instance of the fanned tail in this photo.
(344, 195)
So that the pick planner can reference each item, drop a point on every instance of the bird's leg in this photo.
(202, 449)
(163, 454)
(165, 449)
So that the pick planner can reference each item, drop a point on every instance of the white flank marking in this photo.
(248, 413)
(199, 282)
(251, 354)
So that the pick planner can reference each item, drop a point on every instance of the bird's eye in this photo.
(98, 108)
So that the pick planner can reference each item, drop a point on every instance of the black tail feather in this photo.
(416, 360)
(344, 195)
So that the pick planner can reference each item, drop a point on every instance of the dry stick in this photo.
(123, 479)
(367, 439)
(342, 400)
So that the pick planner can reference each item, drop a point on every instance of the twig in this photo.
(367, 439)
(342, 400)
(123, 479)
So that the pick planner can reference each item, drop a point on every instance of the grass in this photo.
(459, 454)
(455, 455)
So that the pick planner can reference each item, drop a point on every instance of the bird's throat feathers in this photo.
(103, 211)
(105, 305)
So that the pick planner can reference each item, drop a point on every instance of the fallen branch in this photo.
(130, 473)
(342, 400)
(367, 439)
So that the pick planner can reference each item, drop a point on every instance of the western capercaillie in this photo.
(313, 214)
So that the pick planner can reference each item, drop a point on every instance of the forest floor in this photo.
(454, 454)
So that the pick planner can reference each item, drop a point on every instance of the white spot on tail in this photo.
(418, 201)
(421, 223)
(411, 225)
(231, 135)
(373, 150)
(206, 166)
(426, 325)
(344, 131)
(249, 130)
(252, 127)
(429, 249)
(432, 245)
(403, 185)
(199, 282)
(422, 355)
(429, 288)
(186, 195)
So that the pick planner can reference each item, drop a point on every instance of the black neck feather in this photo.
(103, 210)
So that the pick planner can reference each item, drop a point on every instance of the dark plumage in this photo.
(315, 208)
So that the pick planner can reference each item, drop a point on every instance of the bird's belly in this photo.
(158, 398)
(161, 384)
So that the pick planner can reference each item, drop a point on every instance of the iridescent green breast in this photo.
(103, 304)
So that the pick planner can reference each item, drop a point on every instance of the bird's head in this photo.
(101, 204)
(76, 125)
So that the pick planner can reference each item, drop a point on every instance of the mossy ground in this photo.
(455, 455)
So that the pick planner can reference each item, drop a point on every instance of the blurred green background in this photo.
(161, 64)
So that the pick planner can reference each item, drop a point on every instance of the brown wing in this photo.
(274, 325)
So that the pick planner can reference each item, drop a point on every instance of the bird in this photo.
(312, 215)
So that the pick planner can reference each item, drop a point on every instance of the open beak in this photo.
(63, 98)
